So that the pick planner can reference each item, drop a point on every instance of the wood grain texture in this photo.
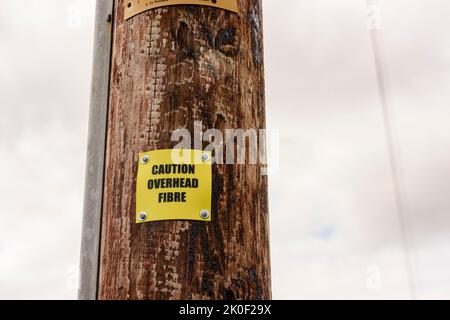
(171, 67)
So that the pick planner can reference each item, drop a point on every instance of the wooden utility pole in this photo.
(171, 67)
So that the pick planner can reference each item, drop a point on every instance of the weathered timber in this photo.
(173, 66)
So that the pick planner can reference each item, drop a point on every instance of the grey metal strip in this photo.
(95, 166)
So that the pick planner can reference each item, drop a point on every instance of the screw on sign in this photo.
(145, 159)
(204, 214)
(143, 216)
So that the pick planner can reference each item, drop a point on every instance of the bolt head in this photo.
(204, 214)
(205, 157)
(142, 216)
(145, 159)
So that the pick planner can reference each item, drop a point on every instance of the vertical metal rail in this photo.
(92, 213)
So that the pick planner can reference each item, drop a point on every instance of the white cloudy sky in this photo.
(334, 227)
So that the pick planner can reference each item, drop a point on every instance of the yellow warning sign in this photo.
(134, 7)
(174, 185)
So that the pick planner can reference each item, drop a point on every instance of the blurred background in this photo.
(336, 228)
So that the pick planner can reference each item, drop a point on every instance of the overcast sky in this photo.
(335, 231)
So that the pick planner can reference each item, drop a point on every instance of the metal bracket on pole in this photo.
(95, 166)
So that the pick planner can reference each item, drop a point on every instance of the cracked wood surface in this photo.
(171, 67)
